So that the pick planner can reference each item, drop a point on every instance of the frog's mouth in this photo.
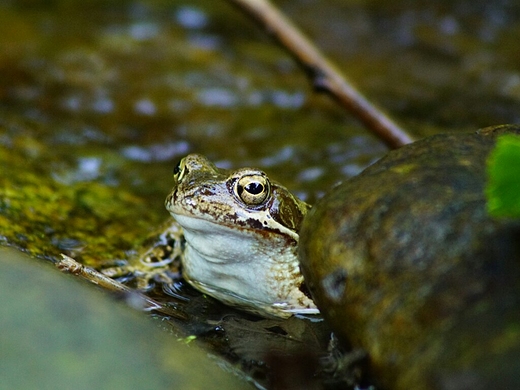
(263, 226)
(221, 243)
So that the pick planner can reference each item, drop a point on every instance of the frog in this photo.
(241, 237)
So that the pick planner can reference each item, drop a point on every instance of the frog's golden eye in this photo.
(179, 170)
(252, 189)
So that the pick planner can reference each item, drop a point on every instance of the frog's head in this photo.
(213, 200)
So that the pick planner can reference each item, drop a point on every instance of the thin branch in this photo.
(323, 74)
(69, 265)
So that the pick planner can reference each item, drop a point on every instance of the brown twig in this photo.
(323, 74)
(69, 265)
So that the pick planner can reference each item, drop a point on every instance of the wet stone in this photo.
(432, 292)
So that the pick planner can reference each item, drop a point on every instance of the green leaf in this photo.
(503, 187)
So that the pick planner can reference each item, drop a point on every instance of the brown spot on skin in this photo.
(254, 223)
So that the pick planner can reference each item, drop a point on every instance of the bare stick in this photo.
(323, 74)
(68, 264)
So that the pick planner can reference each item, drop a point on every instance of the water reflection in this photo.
(156, 152)
(191, 17)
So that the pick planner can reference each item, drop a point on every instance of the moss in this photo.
(89, 220)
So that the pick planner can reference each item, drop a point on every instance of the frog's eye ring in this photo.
(179, 170)
(253, 190)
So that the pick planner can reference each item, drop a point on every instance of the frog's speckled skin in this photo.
(241, 234)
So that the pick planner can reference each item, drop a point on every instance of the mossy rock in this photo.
(404, 261)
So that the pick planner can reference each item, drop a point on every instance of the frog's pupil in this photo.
(255, 188)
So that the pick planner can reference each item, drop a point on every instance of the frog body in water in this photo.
(241, 232)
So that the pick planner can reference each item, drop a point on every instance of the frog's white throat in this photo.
(218, 243)
(242, 262)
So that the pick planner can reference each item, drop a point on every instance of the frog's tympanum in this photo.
(241, 232)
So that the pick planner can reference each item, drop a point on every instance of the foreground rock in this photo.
(58, 333)
(404, 261)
